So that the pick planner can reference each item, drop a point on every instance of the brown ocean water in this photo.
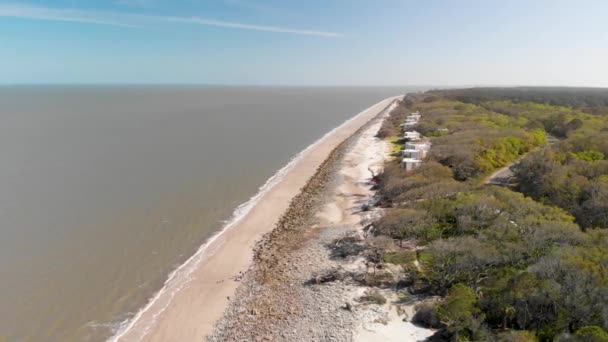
(104, 189)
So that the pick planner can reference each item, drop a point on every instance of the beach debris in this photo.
(239, 276)
(374, 174)
(372, 297)
(369, 204)
(368, 229)
(348, 306)
(331, 275)
(346, 246)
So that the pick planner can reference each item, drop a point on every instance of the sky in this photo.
(305, 42)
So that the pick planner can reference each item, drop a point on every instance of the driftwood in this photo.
(328, 276)
(372, 172)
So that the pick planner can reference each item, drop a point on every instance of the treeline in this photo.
(508, 267)
(558, 121)
(591, 99)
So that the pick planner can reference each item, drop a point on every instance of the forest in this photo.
(587, 99)
(523, 263)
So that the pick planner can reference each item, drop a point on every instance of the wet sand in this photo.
(196, 297)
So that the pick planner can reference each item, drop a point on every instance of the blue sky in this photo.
(312, 42)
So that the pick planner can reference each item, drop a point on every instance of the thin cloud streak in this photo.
(235, 25)
(254, 6)
(126, 21)
(135, 3)
(65, 15)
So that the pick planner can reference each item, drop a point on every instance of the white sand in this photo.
(376, 323)
(395, 329)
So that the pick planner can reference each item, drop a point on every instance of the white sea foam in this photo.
(182, 275)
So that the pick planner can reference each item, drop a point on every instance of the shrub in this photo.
(426, 316)
(390, 126)
(402, 224)
(400, 258)
(346, 246)
(461, 314)
(381, 279)
(464, 259)
(592, 334)
(590, 156)
(328, 276)
(517, 336)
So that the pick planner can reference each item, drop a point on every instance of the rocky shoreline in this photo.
(274, 301)
(298, 289)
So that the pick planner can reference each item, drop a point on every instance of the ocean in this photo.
(104, 190)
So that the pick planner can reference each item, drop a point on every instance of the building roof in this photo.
(419, 143)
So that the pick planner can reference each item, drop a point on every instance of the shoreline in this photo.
(282, 298)
(196, 294)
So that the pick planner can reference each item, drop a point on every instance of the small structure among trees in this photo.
(416, 147)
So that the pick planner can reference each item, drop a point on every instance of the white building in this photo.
(409, 124)
(418, 145)
(413, 154)
(416, 116)
(411, 135)
(411, 164)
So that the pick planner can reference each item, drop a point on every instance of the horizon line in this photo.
(197, 84)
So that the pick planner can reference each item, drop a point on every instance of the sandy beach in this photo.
(198, 293)
(280, 299)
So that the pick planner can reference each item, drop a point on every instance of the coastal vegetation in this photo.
(526, 263)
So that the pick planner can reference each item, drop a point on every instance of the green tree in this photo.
(592, 334)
